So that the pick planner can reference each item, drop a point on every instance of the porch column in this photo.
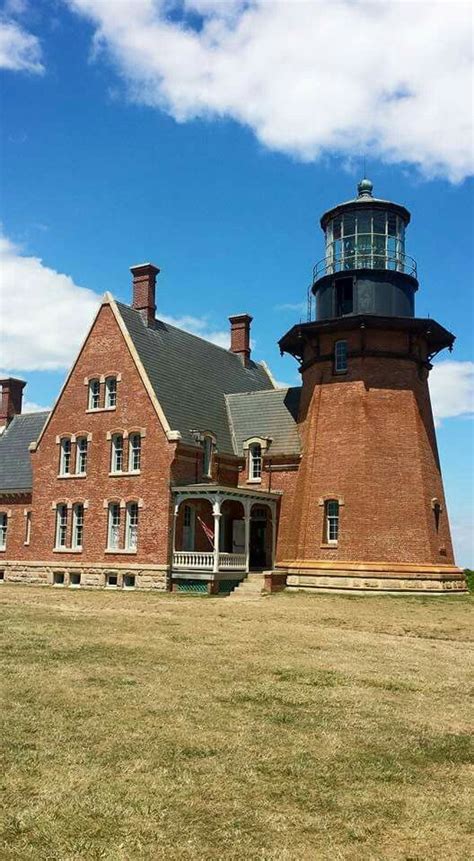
(216, 510)
(175, 520)
(273, 513)
(247, 508)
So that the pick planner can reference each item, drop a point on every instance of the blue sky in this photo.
(139, 131)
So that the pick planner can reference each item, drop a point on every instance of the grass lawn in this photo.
(146, 726)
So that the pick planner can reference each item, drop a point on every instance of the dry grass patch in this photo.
(142, 726)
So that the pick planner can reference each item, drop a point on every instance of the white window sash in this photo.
(3, 531)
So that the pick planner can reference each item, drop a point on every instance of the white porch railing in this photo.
(233, 561)
(190, 559)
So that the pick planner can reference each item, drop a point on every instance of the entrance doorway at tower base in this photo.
(373, 577)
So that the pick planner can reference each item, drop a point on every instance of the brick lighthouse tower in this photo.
(368, 509)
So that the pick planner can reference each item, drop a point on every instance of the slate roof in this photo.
(15, 465)
(191, 376)
(266, 414)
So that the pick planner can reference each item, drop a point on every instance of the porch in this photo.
(222, 533)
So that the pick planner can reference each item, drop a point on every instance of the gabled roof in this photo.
(15, 465)
(272, 413)
(190, 376)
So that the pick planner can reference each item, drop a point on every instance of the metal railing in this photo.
(364, 260)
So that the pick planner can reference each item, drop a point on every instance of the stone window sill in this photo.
(67, 550)
(122, 552)
(3, 549)
(72, 475)
(119, 474)
(101, 410)
(254, 481)
(332, 545)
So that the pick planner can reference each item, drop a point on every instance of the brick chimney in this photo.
(144, 281)
(11, 398)
(240, 336)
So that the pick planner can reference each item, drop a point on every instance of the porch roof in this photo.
(211, 490)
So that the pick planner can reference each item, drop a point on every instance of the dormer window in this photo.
(110, 392)
(94, 394)
(255, 461)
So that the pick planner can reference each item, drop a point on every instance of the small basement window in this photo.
(2, 576)
(74, 579)
(129, 581)
(111, 581)
(58, 578)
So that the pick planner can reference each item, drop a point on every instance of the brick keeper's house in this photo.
(168, 462)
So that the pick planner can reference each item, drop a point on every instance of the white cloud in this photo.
(300, 307)
(32, 407)
(199, 326)
(44, 314)
(452, 389)
(20, 51)
(391, 79)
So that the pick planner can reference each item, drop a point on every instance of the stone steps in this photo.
(250, 587)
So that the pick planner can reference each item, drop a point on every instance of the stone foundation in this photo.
(329, 576)
(76, 575)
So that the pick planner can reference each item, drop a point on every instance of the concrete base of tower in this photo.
(322, 575)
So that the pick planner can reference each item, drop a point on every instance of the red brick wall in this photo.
(16, 528)
(105, 352)
(368, 440)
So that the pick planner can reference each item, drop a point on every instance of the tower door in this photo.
(344, 296)
(258, 554)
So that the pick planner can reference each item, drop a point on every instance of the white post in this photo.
(273, 522)
(247, 508)
(173, 528)
(216, 510)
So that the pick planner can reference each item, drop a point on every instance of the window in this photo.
(58, 578)
(94, 394)
(77, 525)
(129, 581)
(65, 457)
(344, 296)
(27, 527)
(207, 455)
(110, 392)
(255, 462)
(340, 357)
(131, 526)
(3, 530)
(113, 537)
(81, 455)
(74, 579)
(331, 510)
(111, 581)
(117, 453)
(134, 453)
(61, 525)
(2, 575)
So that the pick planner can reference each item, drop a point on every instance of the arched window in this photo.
(81, 455)
(131, 526)
(340, 357)
(77, 525)
(134, 452)
(3, 530)
(117, 453)
(110, 392)
(94, 394)
(331, 521)
(61, 525)
(255, 462)
(113, 528)
(65, 456)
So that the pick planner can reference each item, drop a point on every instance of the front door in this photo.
(258, 555)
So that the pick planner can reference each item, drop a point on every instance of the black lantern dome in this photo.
(365, 269)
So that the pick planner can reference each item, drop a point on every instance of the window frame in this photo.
(341, 366)
(255, 464)
(134, 451)
(77, 526)
(93, 399)
(3, 529)
(65, 455)
(115, 449)
(207, 455)
(131, 525)
(114, 513)
(81, 454)
(28, 519)
(331, 521)
(110, 392)
(61, 529)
